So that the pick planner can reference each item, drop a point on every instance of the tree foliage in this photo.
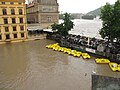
(64, 27)
(110, 16)
(116, 20)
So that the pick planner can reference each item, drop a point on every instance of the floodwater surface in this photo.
(89, 28)
(31, 66)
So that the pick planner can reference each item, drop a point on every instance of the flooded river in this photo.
(89, 28)
(30, 66)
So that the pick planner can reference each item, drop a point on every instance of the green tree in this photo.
(60, 16)
(64, 27)
(107, 16)
(110, 16)
(116, 20)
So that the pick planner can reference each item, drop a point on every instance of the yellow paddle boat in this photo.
(76, 55)
(62, 49)
(69, 52)
(59, 49)
(49, 46)
(73, 51)
(56, 43)
(119, 67)
(56, 49)
(113, 66)
(86, 56)
(65, 50)
(102, 61)
(79, 53)
(53, 48)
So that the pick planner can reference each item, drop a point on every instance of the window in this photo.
(0, 37)
(4, 11)
(7, 36)
(49, 19)
(15, 35)
(14, 28)
(11, 2)
(19, 3)
(21, 20)
(5, 21)
(22, 34)
(6, 29)
(21, 27)
(12, 11)
(3, 2)
(20, 11)
(13, 20)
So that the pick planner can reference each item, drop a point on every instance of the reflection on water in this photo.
(30, 66)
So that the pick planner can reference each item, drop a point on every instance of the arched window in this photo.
(21, 28)
(21, 20)
(14, 28)
(12, 11)
(5, 21)
(22, 35)
(3, 2)
(19, 3)
(20, 11)
(6, 29)
(11, 2)
(13, 20)
(4, 11)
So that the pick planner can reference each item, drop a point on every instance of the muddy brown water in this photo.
(30, 66)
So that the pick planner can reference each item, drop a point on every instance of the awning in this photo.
(48, 30)
(34, 29)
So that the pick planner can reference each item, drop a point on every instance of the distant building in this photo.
(12, 20)
(42, 12)
(90, 17)
(76, 15)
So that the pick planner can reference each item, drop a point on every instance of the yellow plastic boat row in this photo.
(102, 61)
(56, 47)
(114, 66)
(74, 53)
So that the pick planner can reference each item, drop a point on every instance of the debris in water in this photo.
(93, 72)
(85, 74)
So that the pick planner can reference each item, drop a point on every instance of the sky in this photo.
(81, 6)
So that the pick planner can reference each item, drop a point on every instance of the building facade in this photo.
(12, 20)
(42, 12)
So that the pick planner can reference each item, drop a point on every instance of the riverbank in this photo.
(96, 47)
